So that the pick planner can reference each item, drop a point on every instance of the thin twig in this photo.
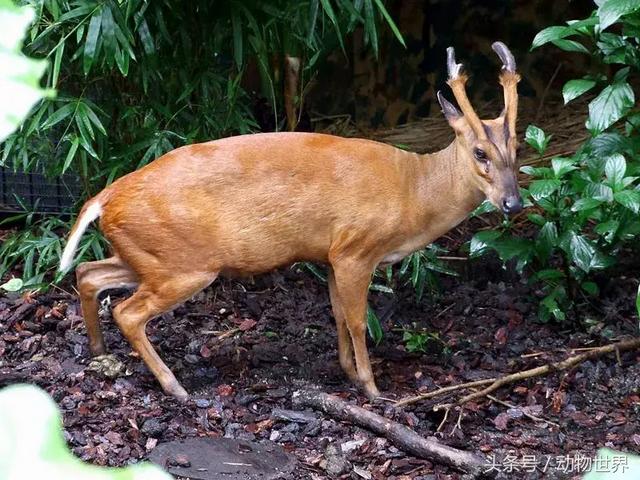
(497, 382)
(543, 370)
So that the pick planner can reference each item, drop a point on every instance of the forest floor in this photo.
(241, 348)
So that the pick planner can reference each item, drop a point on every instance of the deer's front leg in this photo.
(351, 287)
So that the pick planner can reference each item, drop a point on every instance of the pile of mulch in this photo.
(243, 348)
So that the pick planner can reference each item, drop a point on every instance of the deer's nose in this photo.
(512, 204)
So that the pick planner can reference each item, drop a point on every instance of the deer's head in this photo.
(487, 148)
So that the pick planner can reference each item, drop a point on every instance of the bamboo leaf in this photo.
(91, 42)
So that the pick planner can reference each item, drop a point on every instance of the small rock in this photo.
(275, 435)
(348, 447)
(153, 427)
(336, 464)
(202, 403)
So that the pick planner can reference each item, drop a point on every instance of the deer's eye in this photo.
(480, 155)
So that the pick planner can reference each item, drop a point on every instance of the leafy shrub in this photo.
(584, 207)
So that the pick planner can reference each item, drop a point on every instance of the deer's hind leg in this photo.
(92, 278)
(159, 294)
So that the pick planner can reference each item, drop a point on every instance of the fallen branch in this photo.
(497, 382)
(401, 436)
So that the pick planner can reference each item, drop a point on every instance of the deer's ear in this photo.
(451, 113)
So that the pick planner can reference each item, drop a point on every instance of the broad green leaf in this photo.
(91, 42)
(598, 191)
(32, 444)
(570, 46)
(549, 274)
(615, 168)
(536, 137)
(609, 106)
(590, 287)
(611, 10)
(629, 199)
(13, 285)
(19, 75)
(574, 88)
(484, 207)
(562, 165)
(581, 252)
(547, 240)
(586, 204)
(482, 241)
(543, 188)
(551, 33)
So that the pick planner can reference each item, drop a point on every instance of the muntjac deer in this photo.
(248, 204)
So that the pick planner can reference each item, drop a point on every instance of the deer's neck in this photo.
(446, 190)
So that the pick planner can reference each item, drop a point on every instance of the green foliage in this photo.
(32, 444)
(418, 341)
(138, 79)
(37, 248)
(13, 285)
(585, 206)
(20, 75)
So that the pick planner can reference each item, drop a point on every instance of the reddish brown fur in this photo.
(246, 205)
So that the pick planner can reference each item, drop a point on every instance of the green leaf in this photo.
(629, 199)
(55, 74)
(609, 106)
(329, 12)
(611, 10)
(536, 137)
(570, 46)
(614, 169)
(13, 285)
(562, 166)
(543, 188)
(109, 34)
(550, 34)
(71, 154)
(482, 241)
(145, 36)
(373, 326)
(91, 41)
(59, 115)
(390, 22)
(590, 287)
(547, 240)
(484, 207)
(574, 88)
(586, 204)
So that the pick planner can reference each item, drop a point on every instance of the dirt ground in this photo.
(243, 347)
